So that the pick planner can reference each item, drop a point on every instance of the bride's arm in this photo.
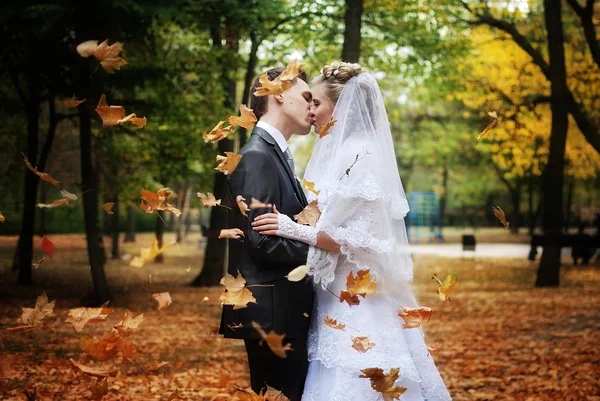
(281, 225)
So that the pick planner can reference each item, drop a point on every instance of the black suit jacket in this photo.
(281, 305)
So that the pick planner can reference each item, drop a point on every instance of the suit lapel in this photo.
(269, 139)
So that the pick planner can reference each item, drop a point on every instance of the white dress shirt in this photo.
(275, 133)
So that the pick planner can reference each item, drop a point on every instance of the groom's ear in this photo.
(278, 98)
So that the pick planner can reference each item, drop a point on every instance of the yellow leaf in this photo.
(148, 254)
(274, 341)
(247, 117)
(334, 324)
(298, 273)
(268, 87)
(310, 186)
(228, 163)
(309, 215)
(324, 131)
(446, 287)
(218, 133)
(236, 293)
(361, 284)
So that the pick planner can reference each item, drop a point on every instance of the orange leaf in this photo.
(99, 389)
(236, 293)
(309, 215)
(100, 350)
(56, 203)
(108, 56)
(228, 163)
(243, 206)
(2, 219)
(324, 131)
(232, 233)
(384, 383)
(334, 324)
(361, 284)
(108, 207)
(79, 317)
(163, 299)
(218, 133)
(291, 71)
(93, 371)
(127, 326)
(268, 87)
(499, 213)
(414, 317)
(43, 176)
(247, 117)
(47, 246)
(158, 201)
(433, 350)
(176, 395)
(274, 341)
(491, 125)
(87, 48)
(113, 115)
(72, 102)
(362, 344)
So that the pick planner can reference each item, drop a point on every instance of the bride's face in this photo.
(321, 108)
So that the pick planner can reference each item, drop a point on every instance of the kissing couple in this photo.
(360, 233)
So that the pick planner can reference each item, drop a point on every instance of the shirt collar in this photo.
(275, 133)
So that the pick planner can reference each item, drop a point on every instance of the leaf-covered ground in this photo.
(500, 338)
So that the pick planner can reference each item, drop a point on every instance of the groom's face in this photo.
(296, 107)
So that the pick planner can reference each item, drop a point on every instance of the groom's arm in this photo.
(256, 177)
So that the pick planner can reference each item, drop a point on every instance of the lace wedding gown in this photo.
(362, 209)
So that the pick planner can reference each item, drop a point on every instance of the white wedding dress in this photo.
(362, 204)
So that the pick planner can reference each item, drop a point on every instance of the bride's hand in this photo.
(268, 223)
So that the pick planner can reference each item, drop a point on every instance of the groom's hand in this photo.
(267, 224)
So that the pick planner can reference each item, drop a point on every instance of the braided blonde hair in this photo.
(335, 75)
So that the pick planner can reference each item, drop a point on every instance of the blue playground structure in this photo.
(423, 220)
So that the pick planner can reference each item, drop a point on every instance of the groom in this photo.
(266, 173)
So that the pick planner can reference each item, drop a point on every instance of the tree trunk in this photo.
(89, 187)
(533, 213)
(115, 227)
(130, 234)
(160, 230)
(569, 203)
(250, 68)
(43, 213)
(515, 197)
(444, 197)
(548, 274)
(353, 20)
(181, 227)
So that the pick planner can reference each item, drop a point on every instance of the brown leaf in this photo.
(157, 201)
(6, 362)
(351, 299)
(324, 131)
(93, 371)
(274, 341)
(247, 117)
(235, 326)
(113, 115)
(139, 122)
(334, 324)
(33, 317)
(79, 317)
(2, 219)
(361, 284)
(309, 215)
(310, 186)
(298, 273)
(446, 287)
(149, 254)
(490, 125)
(43, 176)
(176, 395)
(243, 206)
(236, 293)
(273, 394)
(384, 383)
(158, 365)
(256, 204)
(414, 317)
(72, 102)
(208, 199)
(39, 263)
(108, 56)
(56, 203)
(362, 344)
(129, 324)
(218, 133)
(108, 207)
(499, 213)
(163, 299)
(232, 233)
(228, 163)
(99, 389)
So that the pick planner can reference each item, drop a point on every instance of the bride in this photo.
(361, 226)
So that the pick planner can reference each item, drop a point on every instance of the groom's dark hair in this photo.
(259, 103)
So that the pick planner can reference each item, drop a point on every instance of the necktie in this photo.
(290, 160)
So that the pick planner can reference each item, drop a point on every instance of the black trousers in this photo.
(285, 374)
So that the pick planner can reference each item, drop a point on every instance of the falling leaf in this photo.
(491, 125)
(232, 233)
(108, 207)
(351, 299)
(446, 287)
(107, 55)
(305, 314)
(72, 102)
(310, 186)
(274, 341)
(236, 293)
(228, 163)
(158, 365)
(204, 299)
(243, 206)
(291, 71)
(6, 362)
(67, 194)
(414, 317)
(384, 383)
(148, 254)
(273, 394)
(43, 176)
(235, 326)
(187, 271)
(99, 389)
(298, 273)
(2, 219)
(499, 213)
(433, 350)
(163, 299)
(176, 395)
(39, 263)
(86, 49)
(324, 131)
(208, 199)
(150, 278)
(79, 317)
(93, 371)
(247, 395)
(157, 201)
(334, 324)
(113, 115)
(247, 117)
(129, 324)
(42, 310)
(218, 133)
(56, 203)
(362, 344)
(268, 87)
(309, 215)
(256, 204)
(361, 284)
